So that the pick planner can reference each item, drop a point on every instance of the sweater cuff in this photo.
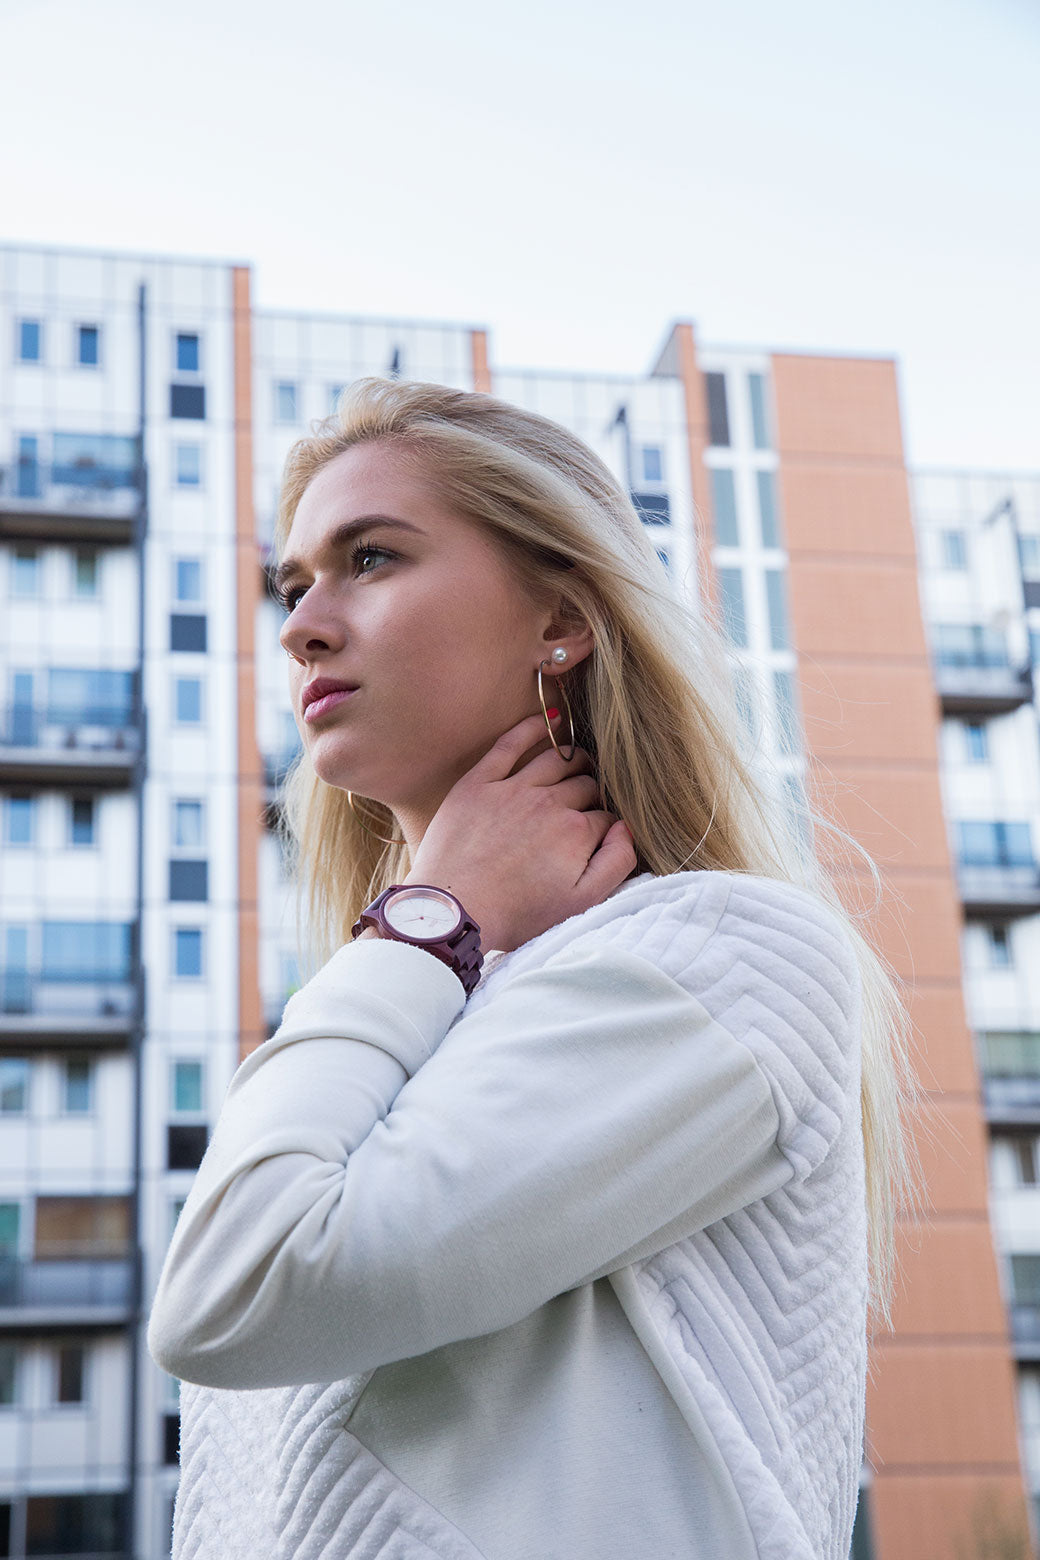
(420, 995)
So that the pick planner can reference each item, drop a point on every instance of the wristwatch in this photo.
(430, 918)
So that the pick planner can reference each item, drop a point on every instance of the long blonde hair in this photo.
(655, 705)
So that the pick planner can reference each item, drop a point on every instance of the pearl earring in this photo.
(559, 655)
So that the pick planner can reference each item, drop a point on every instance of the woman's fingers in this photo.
(498, 761)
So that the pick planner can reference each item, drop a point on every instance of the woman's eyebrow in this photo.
(339, 538)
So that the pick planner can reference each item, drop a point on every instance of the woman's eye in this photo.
(289, 598)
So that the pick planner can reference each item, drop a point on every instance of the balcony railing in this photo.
(96, 742)
(80, 500)
(999, 891)
(66, 1287)
(989, 685)
(35, 1007)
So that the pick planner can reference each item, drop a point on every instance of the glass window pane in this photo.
(285, 402)
(18, 820)
(1015, 844)
(82, 820)
(188, 579)
(189, 700)
(187, 353)
(94, 460)
(85, 580)
(187, 1086)
(724, 500)
(86, 950)
(14, 1085)
(732, 587)
(8, 1383)
(70, 1363)
(975, 742)
(954, 552)
(10, 1214)
(786, 715)
(188, 950)
(977, 844)
(25, 573)
(77, 1084)
(335, 391)
(188, 465)
(718, 413)
(776, 596)
(653, 463)
(89, 337)
(767, 508)
(30, 341)
(759, 431)
(187, 824)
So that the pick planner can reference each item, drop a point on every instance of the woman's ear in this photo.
(567, 628)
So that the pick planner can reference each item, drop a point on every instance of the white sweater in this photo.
(575, 1268)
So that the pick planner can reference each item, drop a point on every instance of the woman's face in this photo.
(424, 620)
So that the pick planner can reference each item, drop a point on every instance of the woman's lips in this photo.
(319, 707)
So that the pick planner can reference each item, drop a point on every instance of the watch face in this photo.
(422, 912)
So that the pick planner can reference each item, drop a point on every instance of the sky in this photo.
(800, 176)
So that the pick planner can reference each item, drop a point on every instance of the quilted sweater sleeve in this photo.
(383, 1180)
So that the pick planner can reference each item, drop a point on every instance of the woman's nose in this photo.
(309, 624)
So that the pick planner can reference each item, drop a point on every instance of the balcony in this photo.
(980, 687)
(95, 1292)
(56, 744)
(36, 1009)
(75, 501)
(1009, 1060)
(998, 892)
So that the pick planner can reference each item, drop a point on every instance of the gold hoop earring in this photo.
(364, 825)
(563, 693)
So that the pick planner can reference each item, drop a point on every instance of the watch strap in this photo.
(460, 952)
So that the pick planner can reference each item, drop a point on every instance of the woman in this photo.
(547, 1222)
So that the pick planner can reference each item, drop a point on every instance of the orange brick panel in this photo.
(859, 609)
(860, 511)
(949, 1517)
(942, 1405)
(870, 711)
(948, 1281)
(847, 407)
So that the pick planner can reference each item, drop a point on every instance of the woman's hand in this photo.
(524, 851)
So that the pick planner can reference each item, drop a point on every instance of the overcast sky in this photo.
(793, 174)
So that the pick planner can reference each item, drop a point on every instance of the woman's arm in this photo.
(369, 1195)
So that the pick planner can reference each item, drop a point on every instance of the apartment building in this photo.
(147, 940)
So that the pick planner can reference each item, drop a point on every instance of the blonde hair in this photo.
(655, 706)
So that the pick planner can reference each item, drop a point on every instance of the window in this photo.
(75, 1524)
(759, 430)
(186, 1088)
(653, 463)
(88, 338)
(767, 508)
(188, 701)
(188, 401)
(285, 401)
(994, 843)
(187, 957)
(25, 573)
(187, 580)
(69, 1362)
(188, 824)
(1023, 1151)
(786, 715)
(30, 341)
(776, 596)
(85, 572)
(171, 1439)
(86, 950)
(954, 552)
(1029, 553)
(187, 465)
(999, 948)
(19, 815)
(732, 586)
(10, 1213)
(91, 696)
(1025, 1279)
(14, 1085)
(187, 631)
(724, 501)
(186, 353)
(77, 1086)
(718, 414)
(189, 880)
(185, 1146)
(8, 1382)
(94, 460)
(74, 1227)
(975, 743)
(335, 391)
(176, 1208)
(83, 821)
